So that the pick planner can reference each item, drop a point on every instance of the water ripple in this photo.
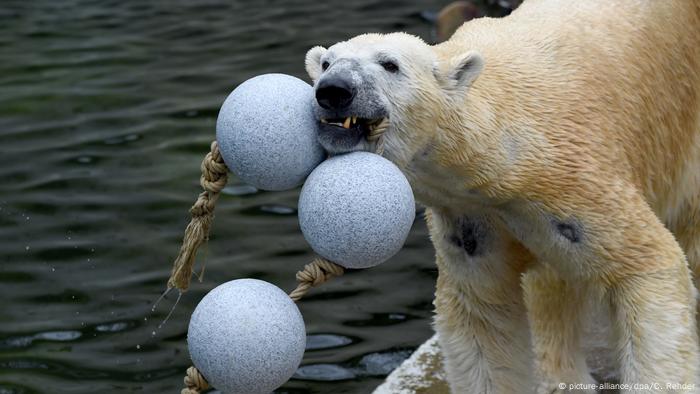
(28, 340)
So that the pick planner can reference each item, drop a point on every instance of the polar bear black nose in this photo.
(334, 93)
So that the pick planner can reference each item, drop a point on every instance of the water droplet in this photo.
(172, 309)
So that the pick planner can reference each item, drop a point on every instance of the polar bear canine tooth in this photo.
(354, 120)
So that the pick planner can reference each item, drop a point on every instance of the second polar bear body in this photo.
(558, 153)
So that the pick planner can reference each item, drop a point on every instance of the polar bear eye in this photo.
(389, 66)
(324, 65)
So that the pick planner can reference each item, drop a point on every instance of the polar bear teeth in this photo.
(344, 124)
(349, 121)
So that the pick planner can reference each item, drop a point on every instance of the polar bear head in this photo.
(398, 77)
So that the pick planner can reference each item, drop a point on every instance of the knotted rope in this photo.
(315, 273)
(213, 180)
(376, 135)
(194, 382)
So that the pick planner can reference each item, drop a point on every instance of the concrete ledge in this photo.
(422, 373)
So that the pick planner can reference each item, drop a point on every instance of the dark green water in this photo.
(106, 110)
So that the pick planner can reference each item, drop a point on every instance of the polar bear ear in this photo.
(463, 70)
(313, 62)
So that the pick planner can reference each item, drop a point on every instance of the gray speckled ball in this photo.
(246, 337)
(267, 132)
(356, 209)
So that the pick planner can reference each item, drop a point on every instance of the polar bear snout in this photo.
(348, 107)
(334, 93)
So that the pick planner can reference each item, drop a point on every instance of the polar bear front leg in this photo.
(654, 325)
(652, 299)
(558, 311)
(480, 315)
(615, 243)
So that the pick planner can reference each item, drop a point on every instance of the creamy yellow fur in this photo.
(582, 112)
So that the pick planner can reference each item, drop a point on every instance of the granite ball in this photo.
(356, 209)
(267, 132)
(246, 336)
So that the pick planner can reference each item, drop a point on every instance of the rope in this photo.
(376, 134)
(213, 180)
(315, 273)
(194, 382)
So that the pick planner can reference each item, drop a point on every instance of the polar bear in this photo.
(557, 151)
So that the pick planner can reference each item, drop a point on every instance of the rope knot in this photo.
(194, 382)
(376, 135)
(315, 273)
(213, 180)
(214, 170)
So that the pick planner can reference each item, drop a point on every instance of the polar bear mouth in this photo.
(339, 133)
(354, 123)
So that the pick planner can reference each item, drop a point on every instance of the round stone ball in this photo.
(267, 132)
(356, 209)
(246, 337)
